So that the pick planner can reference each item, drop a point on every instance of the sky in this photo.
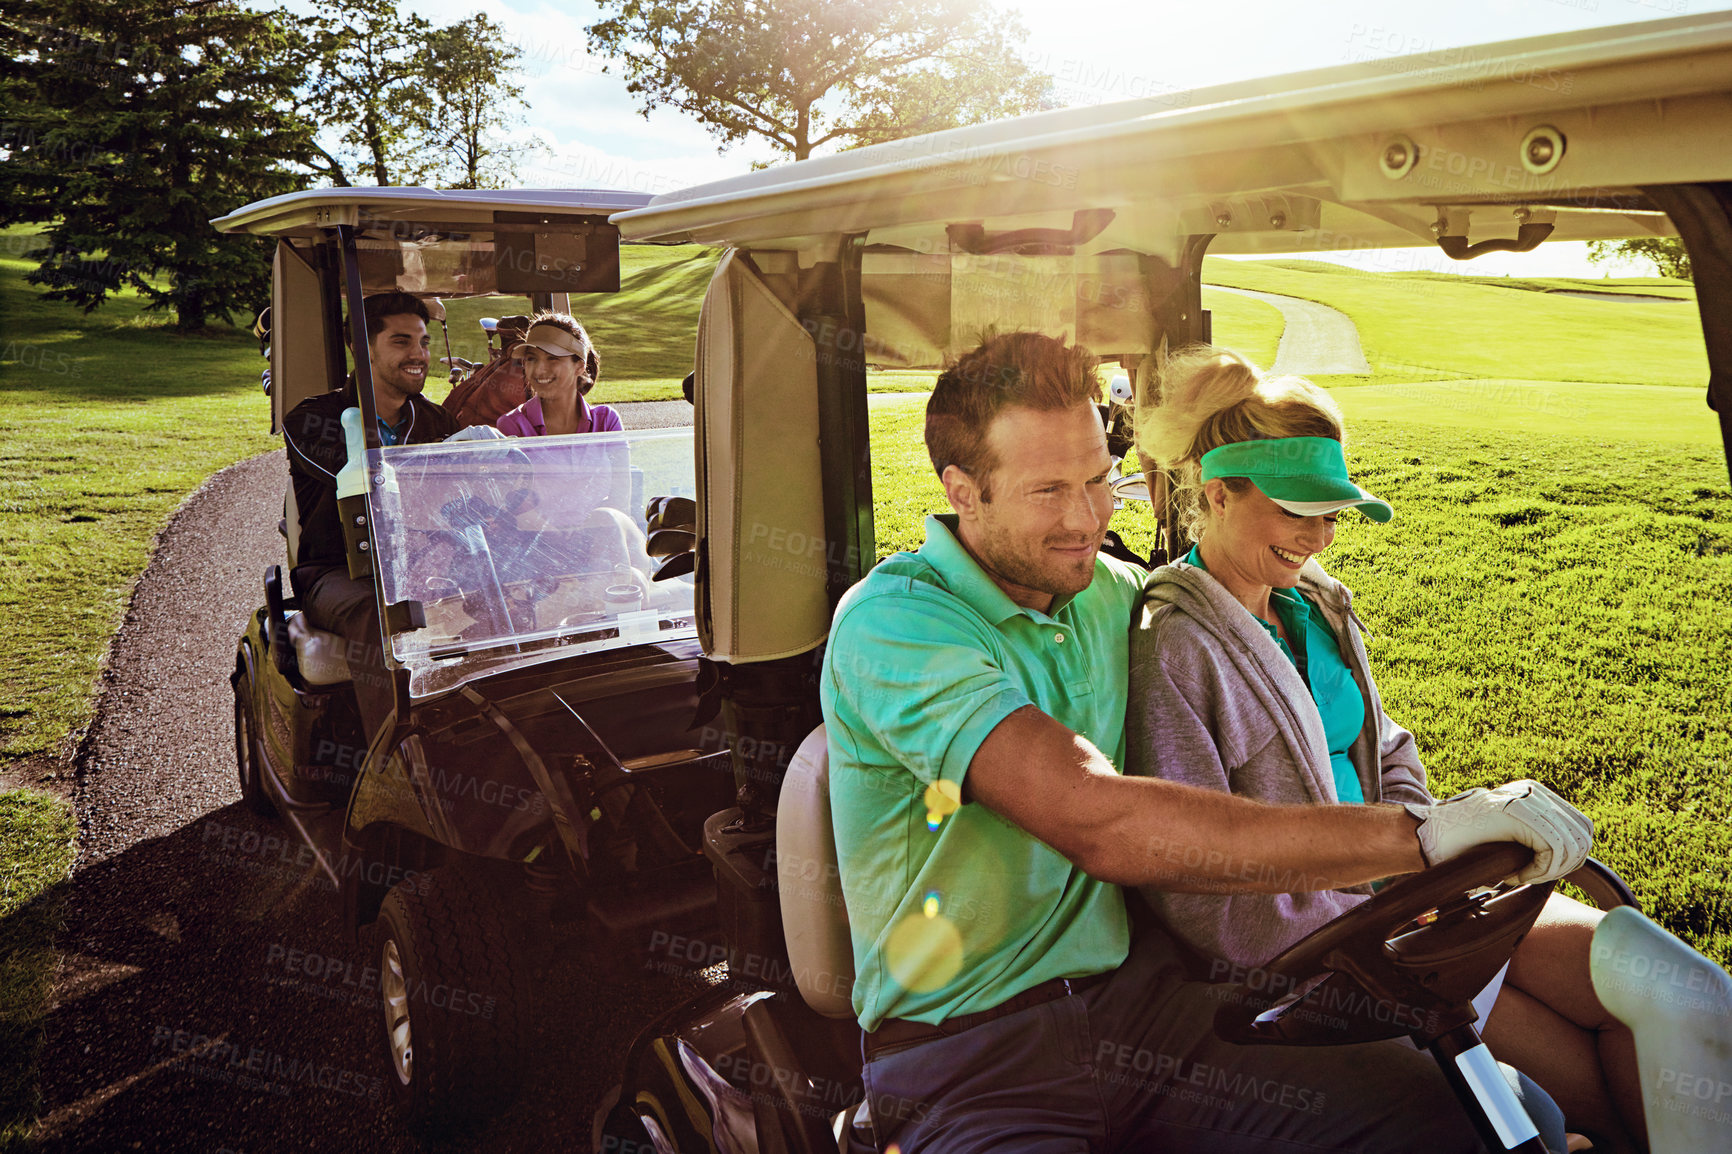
(596, 137)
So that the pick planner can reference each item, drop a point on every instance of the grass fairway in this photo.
(1548, 607)
(36, 834)
(1547, 408)
(1248, 326)
(107, 422)
(1423, 326)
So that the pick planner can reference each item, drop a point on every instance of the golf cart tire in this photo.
(249, 764)
(447, 962)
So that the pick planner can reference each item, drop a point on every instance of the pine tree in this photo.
(129, 127)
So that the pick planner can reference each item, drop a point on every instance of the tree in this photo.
(471, 71)
(803, 74)
(363, 66)
(1667, 253)
(129, 127)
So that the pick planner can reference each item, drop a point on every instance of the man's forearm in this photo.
(1189, 840)
(1146, 831)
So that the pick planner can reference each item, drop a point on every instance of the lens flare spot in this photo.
(924, 951)
(930, 905)
(943, 798)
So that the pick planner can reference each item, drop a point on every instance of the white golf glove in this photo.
(476, 433)
(1522, 811)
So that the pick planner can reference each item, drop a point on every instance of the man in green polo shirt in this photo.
(974, 694)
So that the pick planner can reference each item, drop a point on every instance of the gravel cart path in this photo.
(1317, 340)
(207, 998)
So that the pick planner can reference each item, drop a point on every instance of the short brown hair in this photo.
(591, 370)
(1028, 369)
(377, 307)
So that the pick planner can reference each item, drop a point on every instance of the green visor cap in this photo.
(1303, 475)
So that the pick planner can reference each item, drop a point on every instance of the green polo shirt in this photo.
(954, 912)
(1339, 703)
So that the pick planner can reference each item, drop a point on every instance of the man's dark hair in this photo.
(1028, 369)
(381, 305)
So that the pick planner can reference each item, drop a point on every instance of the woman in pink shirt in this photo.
(561, 367)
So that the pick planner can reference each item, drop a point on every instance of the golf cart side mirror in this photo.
(689, 387)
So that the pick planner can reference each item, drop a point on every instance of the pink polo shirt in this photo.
(526, 419)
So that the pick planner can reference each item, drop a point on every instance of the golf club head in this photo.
(673, 513)
(676, 566)
(670, 542)
(1133, 487)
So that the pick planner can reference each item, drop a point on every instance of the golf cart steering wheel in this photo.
(1409, 961)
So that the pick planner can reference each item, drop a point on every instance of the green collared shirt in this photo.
(1318, 660)
(954, 913)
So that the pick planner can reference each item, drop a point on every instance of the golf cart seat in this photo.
(319, 656)
(814, 916)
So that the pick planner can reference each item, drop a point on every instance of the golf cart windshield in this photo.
(524, 549)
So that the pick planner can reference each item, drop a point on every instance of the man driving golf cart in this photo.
(1001, 956)
(400, 352)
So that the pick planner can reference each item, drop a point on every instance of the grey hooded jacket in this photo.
(1215, 703)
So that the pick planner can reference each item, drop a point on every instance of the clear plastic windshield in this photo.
(526, 548)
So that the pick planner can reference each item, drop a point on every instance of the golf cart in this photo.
(1091, 223)
(539, 634)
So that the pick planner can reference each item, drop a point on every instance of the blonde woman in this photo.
(1249, 675)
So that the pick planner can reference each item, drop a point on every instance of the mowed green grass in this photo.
(1547, 408)
(1426, 326)
(1543, 605)
(36, 835)
(107, 422)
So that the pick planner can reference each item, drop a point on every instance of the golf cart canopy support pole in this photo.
(834, 313)
(358, 335)
(1702, 214)
(393, 731)
(1181, 320)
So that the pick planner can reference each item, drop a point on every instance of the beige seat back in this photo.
(814, 918)
(321, 657)
(761, 573)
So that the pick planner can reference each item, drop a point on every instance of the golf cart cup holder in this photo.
(1405, 963)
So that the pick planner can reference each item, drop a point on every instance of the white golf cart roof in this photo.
(1363, 155)
(305, 214)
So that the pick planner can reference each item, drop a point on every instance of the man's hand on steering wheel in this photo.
(1522, 811)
